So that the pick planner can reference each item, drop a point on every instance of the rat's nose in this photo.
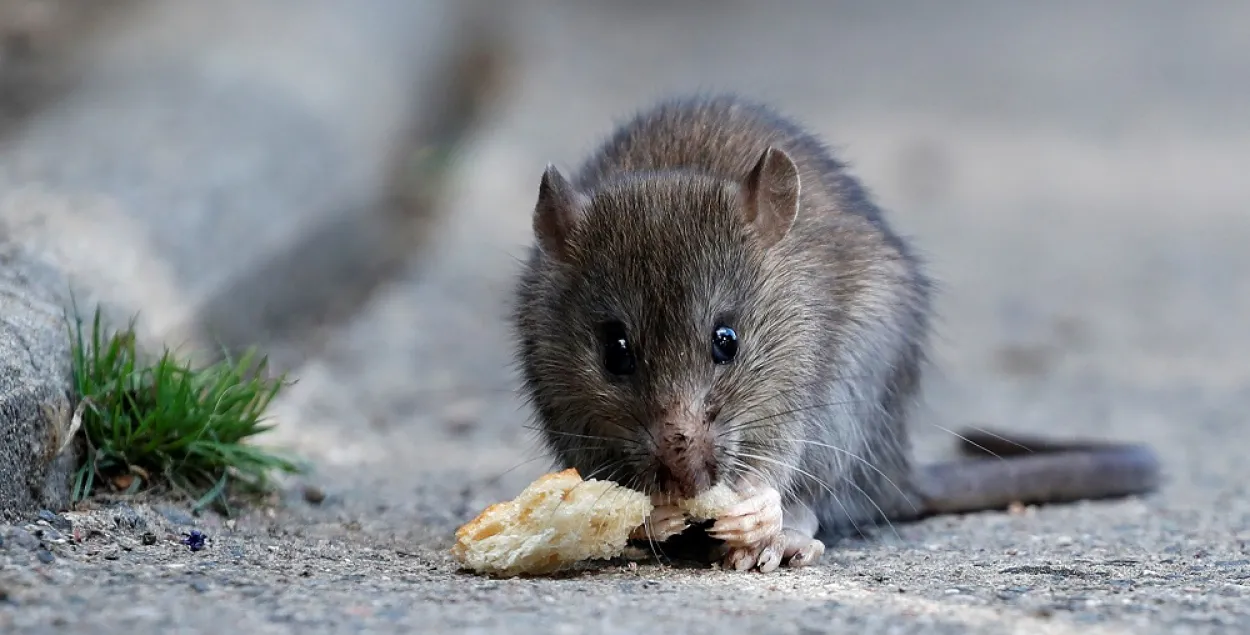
(686, 464)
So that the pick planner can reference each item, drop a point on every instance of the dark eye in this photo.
(724, 345)
(618, 355)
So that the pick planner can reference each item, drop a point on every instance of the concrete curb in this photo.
(35, 396)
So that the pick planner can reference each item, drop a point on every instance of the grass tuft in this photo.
(159, 424)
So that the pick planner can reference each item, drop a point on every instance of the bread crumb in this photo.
(711, 504)
(555, 522)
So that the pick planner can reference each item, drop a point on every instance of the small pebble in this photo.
(56, 520)
(194, 539)
(149, 539)
(314, 494)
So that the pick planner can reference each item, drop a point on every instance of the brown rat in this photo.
(712, 299)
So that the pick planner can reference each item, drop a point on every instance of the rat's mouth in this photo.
(680, 482)
(685, 465)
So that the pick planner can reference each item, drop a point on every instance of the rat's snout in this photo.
(685, 454)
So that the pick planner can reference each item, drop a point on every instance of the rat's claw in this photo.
(753, 532)
(771, 555)
(742, 558)
(756, 538)
(800, 549)
(755, 521)
(792, 548)
(665, 522)
(765, 556)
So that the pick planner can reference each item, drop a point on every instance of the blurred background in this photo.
(349, 185)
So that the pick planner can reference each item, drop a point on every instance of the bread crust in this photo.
(555, 522)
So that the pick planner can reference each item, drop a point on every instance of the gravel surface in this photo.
(1075, 176)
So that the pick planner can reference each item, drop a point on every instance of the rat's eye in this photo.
(724, 345)
(618, 356)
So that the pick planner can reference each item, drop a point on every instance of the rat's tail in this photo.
(1030, 470)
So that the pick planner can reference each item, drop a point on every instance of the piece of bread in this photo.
(555, 522)
(710, 504)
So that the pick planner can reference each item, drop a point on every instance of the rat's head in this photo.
(658, 328)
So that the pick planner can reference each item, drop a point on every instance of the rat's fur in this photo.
(655, 230)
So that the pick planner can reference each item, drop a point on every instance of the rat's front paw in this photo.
(800, 549)
(755, 537)
(792, 548)
(753, 522)
(665, 522)
(752, 532)
(765, 556)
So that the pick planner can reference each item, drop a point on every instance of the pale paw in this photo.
(665, 522)
(765, 556)
(790, 548)
(800, 550)
(754, 522)
(742, 558)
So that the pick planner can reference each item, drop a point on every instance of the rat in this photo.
(712, 299)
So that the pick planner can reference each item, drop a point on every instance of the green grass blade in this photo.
(187, 426)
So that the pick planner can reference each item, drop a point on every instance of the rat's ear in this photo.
(556, 212)
(771, 190)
